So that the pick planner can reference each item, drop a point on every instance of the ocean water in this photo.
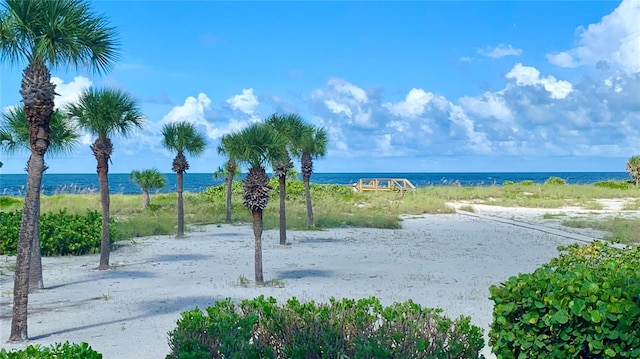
(15, 184)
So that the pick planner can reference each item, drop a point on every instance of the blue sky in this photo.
(400, 86)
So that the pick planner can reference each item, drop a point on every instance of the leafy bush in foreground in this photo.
(56, 351)
(583, 304)
(60, 233)
(344, 328)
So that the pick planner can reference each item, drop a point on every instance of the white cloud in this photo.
(344, 88)
(69, 92)
(500, 51)
(384, 145)
(614, 41)
(348, 101)
(530, 76)
(488, 105)
(245, 102)
(194, 111)
(413, 105)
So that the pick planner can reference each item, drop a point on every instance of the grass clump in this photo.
(624, 230)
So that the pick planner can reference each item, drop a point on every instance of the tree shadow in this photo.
(178, 257)
(106, 274)
(148, 308)
(302, 273)
(320, 240)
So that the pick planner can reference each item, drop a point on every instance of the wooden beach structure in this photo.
(383, 184)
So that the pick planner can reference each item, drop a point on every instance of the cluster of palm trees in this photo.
(62, 33)
(274, 141)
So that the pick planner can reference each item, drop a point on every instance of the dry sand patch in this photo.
(446, 261)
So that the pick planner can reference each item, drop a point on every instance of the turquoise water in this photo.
(14, 184)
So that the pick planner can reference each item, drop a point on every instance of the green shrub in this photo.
(526, 183)
(55, 351)
(555, 181)
(344, 328)
(295, 191)
(508, 183)
(61, 233)
(614, 184)
(583, 304)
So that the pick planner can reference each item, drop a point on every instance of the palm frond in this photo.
(183, 137)
(57, 33)
(106, 112)
(148, 179)
(63, 137)
(256, 145)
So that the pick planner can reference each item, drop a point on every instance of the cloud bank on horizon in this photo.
(532, 107)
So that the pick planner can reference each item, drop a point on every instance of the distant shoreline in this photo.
(14, 184)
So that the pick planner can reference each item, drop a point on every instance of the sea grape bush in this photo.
(583, 304)
(347, 328)
(61, 233)
(555, 181)
(64, 350)
(614, 184)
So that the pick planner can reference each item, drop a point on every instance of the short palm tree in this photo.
(182, 137)
(146, 180)
(14, 137)
(312, 144)
(43, 33)
(290, 127)
(633, 167)
(256, 146)
(231, 170)
(105, 113)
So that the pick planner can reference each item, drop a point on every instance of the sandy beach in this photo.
(446, 261)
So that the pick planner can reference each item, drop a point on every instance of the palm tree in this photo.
(45, 33)
(231, 168)
(312, 144)
(633, 167)
(181, 137)
(14, 134)
(105, 113)
(256, 146)
(146, 180)
(290, 127)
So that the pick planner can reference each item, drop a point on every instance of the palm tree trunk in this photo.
(25, 241)
(35, 269)
(179, 184)
(307, 195)
(105, 244)
(229, 183)
(38, 94)
(145, 198)
(282, 181)
(257, 233)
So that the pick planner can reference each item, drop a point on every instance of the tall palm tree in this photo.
(146, 180)
(182, 137)
(256, 146)
(312, 144)
(231, 168)
(44, 33)
(290, 127)
(14, 132)
(105, 113)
